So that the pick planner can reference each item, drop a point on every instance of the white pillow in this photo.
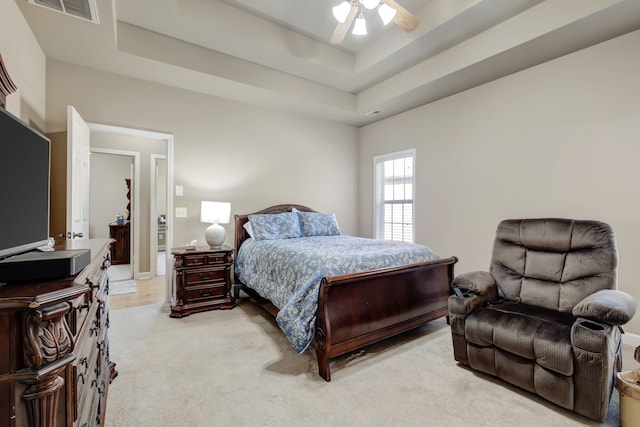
(248, 228)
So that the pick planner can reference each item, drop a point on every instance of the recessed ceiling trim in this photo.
(83, 9)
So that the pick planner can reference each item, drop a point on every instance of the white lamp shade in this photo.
(360, 27)
(215, 212)
(341, 11)
(387, 13)
(370, 4)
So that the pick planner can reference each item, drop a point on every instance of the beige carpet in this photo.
(235, 367)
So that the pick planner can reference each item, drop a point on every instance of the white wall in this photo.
(558, 140)
(25, 63)
(224, 150)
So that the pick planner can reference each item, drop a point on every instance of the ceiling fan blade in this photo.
(404, 19)
(341, 29)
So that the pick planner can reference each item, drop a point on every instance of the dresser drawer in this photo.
(77, 317)
(88, 416)
(200, 276)
(197, 293)
(84, 366)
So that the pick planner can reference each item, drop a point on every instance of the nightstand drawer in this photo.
(195, 293)
(207, 259)
(195, 277)
(194, 260)
(219, 259)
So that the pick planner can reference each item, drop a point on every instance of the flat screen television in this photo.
(24, 186)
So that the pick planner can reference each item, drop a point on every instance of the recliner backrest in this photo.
(553, 262)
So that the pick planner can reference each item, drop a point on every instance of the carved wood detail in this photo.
(42, 399)
(48, 335)
(54, 334)
(7, 87)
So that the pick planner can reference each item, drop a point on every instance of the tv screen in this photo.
(24, 189)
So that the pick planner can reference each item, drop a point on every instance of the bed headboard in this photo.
(240, 220)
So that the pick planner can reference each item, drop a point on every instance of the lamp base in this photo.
(215, 235)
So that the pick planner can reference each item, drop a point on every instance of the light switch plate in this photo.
(181, 212)
(179, 191)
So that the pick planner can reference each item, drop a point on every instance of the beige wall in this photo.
(108, 191)
(223, 150)
(561, 139)
(25, 63)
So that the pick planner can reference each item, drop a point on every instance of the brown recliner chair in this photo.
(547, 316)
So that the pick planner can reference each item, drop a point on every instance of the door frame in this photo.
(168, 138)
(134, 249)
(153, 213)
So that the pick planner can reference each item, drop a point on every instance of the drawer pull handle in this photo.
(205, 294)
(96, 327)
(83, 375)
(205, 276)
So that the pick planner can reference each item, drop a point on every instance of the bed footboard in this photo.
(356, 310)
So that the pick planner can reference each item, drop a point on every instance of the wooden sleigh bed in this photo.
(355, 310)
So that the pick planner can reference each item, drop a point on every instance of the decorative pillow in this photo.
(318, 224)
(248, 228)
(275, 226)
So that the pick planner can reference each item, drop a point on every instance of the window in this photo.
(394, 184)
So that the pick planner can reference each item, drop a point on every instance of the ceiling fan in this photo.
(347, 11)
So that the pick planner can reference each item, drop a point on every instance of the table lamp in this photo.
(215, 213)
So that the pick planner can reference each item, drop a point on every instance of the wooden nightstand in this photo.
(202, 280)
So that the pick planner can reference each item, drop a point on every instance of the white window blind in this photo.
(394, 192)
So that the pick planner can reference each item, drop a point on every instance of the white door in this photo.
(77, 176)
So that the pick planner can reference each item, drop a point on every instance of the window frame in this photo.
(378, 194)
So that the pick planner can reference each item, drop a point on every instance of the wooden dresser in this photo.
(120, 249)
(202, 280)
(54, 348)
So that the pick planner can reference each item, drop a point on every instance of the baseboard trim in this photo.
(632, 340)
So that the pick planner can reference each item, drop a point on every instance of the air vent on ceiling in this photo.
(85, 9)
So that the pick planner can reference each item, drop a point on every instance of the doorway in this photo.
(114, 198)
(144, 236)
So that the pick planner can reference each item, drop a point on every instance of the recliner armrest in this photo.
(465, 305)
(477, 282)
(609, 306)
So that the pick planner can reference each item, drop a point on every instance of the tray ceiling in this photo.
(275, 53)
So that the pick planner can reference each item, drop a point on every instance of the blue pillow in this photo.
(275, 226)
(318, 224)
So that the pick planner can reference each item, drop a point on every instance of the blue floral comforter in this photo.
(288, 272)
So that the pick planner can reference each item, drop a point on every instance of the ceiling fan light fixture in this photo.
(387, 13)
(370, 4)
(341, 11)
(360, 27)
